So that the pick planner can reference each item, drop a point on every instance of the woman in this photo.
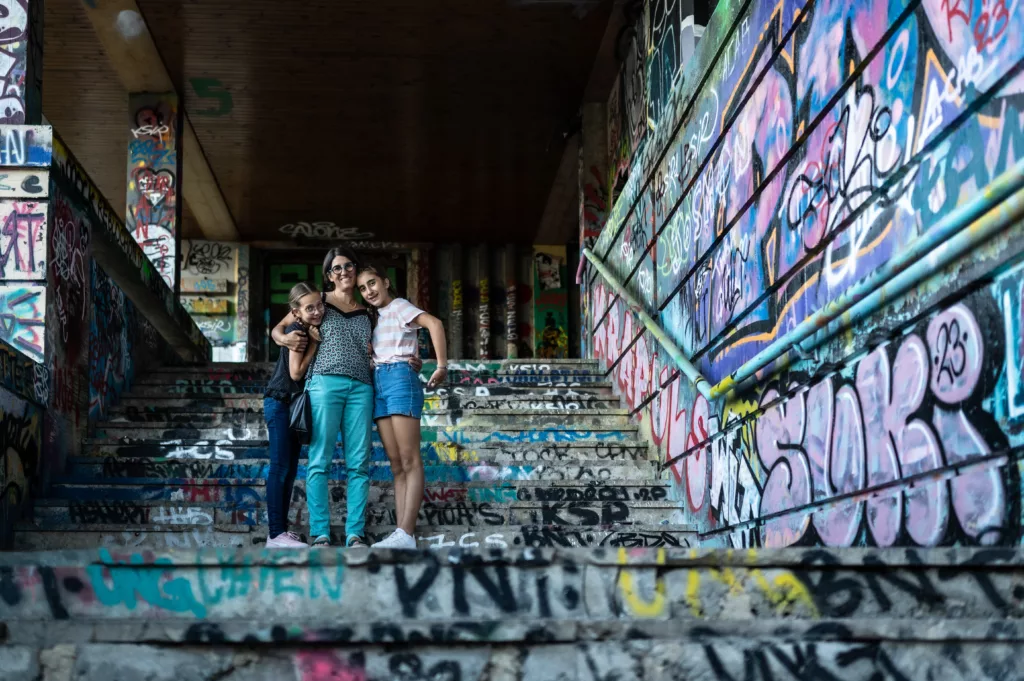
(341, 396)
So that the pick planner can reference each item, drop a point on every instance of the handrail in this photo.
(1000, 203)
(685, 365)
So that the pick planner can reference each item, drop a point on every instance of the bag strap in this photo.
(316, 353)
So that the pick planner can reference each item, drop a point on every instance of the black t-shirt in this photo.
(281, 386)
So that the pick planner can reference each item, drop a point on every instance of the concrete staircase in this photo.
(553, 557)
(517, 455)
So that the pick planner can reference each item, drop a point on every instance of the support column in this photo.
(551, 302)
(153, 214)
(508, 265)
(455, 317)
(484, 307)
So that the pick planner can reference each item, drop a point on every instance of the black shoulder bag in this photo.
(300, 414)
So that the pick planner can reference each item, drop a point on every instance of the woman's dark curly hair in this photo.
(343, 251)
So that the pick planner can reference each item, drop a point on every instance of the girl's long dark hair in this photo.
(343, 251)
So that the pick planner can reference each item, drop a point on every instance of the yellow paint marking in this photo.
(785, 592)
(637, 604)
(693, 593)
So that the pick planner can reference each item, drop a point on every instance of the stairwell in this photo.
(516, 455)
(548, 553)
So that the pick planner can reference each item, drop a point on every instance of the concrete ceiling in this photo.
(405, 119)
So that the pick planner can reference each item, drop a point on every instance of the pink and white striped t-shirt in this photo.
(394, 338)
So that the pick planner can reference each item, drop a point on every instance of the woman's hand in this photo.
(295, 341)
(416, 363)
(438, 378)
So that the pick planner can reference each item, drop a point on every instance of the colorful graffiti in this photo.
(551, 303)
(108, 233)
(69, 252)
(23, 228)
(15, 81)
(23, 319)
(815, 141)
(627, 103)
(215, 270)
(112, 340)
(21, 435)
(154, 210)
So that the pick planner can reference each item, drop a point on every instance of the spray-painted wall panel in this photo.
(825, 139)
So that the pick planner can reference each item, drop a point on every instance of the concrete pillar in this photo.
(551, 302)
(153, 214)
(419, 291)
(508, 265)
(26, 151)
(484, 304)
(455, 350)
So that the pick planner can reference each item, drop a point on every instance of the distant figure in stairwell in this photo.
(398, 402)
(307, 311)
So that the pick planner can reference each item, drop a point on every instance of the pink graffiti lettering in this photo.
(824, 443)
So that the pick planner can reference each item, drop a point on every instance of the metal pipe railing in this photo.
(685, 365)
(997, 206)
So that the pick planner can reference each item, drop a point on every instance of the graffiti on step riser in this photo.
(440, 654)
(628, 585)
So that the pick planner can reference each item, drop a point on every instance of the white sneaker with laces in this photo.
(399, 539)
(387, 542)
(403, 540)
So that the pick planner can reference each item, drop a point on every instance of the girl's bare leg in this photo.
(407, 433)
(386, 430)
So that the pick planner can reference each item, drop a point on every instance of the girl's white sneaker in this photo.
(399, 539)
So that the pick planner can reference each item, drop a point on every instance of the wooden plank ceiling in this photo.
(416, 120)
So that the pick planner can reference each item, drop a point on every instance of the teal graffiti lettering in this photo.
(320, 575)
(281, 576)
(131, 582)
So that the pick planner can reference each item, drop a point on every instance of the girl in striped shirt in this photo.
(398, 396)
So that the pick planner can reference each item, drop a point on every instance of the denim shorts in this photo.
(397, 391)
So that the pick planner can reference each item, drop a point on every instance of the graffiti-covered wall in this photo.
(215, 291)
(22, 396)
(803, 147)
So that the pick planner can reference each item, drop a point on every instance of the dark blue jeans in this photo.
(284, 464)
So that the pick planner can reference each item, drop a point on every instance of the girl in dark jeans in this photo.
(308, 310)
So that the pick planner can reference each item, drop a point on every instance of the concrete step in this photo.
(155, 472)
(433, 405)
(455, 377)
(521, 650)
(182, 386)
(255, 435)
(472, 514)
(243, 491)
(524, 650)
(210, 453)
(462, 365)
(164, 537)
(256, 428)
(179, 596)
(253, 399)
